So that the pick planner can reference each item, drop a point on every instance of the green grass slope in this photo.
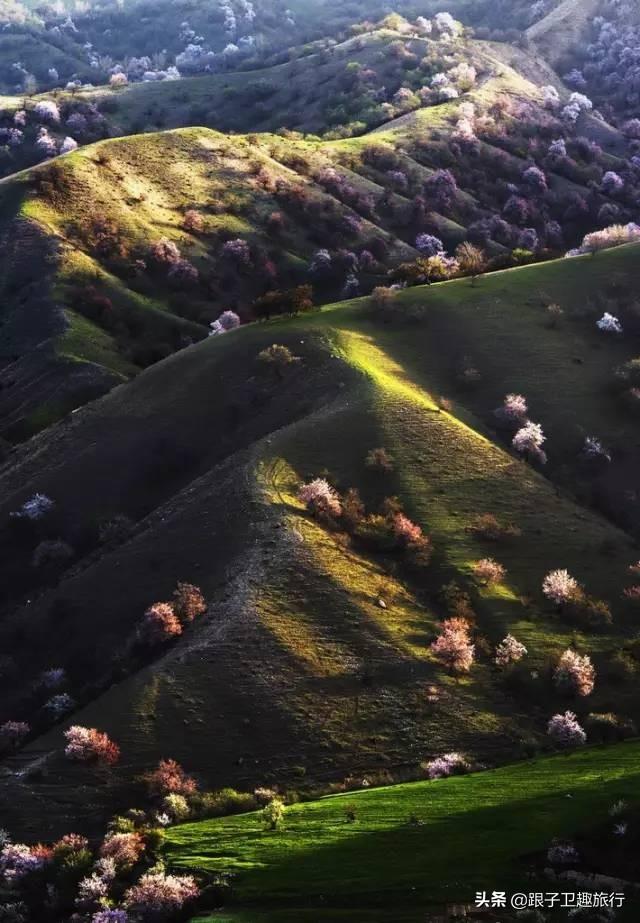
(468, 834)
(298, 672)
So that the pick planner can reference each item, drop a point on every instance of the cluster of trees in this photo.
(388, 530)
(166, 621)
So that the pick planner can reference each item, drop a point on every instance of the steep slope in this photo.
(563, 29)
(298, 670)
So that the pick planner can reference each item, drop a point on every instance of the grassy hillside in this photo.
(204, 453)
(107, 306)
(412, 847)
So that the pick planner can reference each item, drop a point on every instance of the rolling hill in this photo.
(299, 673)
(107, 305)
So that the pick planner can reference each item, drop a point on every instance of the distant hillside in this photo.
(516, 177)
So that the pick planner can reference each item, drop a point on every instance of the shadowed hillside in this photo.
(313, 658)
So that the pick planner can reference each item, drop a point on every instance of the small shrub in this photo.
(488, 527)
(379, 460)
(279, 358)
(188, 602)
(272, 814)
(489, 572)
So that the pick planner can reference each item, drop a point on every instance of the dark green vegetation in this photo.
(412, 845)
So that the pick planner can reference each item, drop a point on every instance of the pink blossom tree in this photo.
(320, 498)
(453, 646)
(509, 651)
(489, 572)
(560, 587)
(160, 624)
(157, 896)
(88, 745)
(575, 673)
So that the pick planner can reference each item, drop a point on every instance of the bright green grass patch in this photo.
(83, 341)
(475, 832)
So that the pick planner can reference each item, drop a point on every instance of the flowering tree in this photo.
(237, 250)
(157, 896)
(535, 179)
(446, 765)
(59, 705)
(228, 320)
(608, 323)
(160, 624)
(124, 848)
(509, 651)
(17, 861)
(565, 730)
(68, 145)
(406, 531)
(47, 111)
(13, 733)
(612, 183)
(529, 440)
(35, 508)
(188, 602)
(575, 673)
(110, 916)
(164, 252)
(453, 646)
(514, 409)
(489, 572)
(429, 245)
(169, 778)
(614, 236)
(560, 587)
(594, 450)
(88, 745)
(177, 807)
(320, 498)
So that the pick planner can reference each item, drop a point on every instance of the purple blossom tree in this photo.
(566, 731)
